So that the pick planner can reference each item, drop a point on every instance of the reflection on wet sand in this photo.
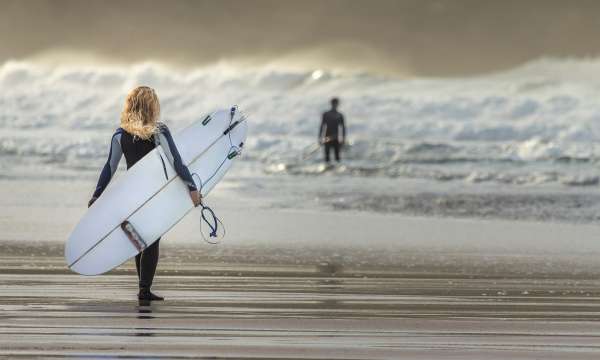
(145, 313)
(300, 313)
(145, 307)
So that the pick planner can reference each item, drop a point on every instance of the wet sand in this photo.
(289, 284)
(292, 312)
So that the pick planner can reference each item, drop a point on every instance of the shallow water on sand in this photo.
(293, 312)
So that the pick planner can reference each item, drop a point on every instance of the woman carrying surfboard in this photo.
(139, 133)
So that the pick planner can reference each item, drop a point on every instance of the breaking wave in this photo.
(539, 123)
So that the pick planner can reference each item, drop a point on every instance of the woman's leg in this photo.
(148, 262)
(137, 264)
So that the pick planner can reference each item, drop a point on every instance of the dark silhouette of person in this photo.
(329, 136)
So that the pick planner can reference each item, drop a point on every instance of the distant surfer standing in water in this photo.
(331, 123)
(139, 133)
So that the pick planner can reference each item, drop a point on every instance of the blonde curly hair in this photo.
(141, 112)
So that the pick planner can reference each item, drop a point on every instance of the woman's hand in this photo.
(196, 197)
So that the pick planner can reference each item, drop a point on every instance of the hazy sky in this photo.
(416, 37)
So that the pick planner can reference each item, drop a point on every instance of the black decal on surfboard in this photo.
(164, 166)
(206, 120)
(133, 236)
(232, 154)
(231, 127)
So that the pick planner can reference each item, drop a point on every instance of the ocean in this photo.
(518, 144)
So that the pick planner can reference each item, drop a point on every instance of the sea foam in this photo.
(544, 114)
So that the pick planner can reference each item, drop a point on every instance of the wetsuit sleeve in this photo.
(343, 125)
(175, 158)
(114, 156)
(322, 127)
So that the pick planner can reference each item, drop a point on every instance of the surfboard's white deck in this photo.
(150, 202)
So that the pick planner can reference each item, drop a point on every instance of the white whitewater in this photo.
(533, 127)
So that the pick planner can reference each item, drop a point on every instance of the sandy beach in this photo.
(360, 286)
(293, 312)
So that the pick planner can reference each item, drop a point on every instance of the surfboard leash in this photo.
(207, 214)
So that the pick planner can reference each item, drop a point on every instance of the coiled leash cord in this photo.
(208, 216)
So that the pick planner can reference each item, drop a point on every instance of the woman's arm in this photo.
(175, 158)
(114, 156)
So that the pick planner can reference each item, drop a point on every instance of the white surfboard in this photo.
(146, 203)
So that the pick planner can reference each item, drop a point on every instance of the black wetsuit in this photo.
(134, 148)
(331, 121)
